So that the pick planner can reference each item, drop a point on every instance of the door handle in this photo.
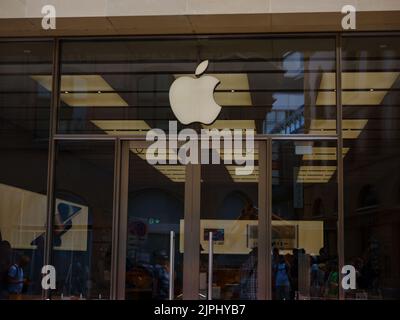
(210, 264)
(171, 264)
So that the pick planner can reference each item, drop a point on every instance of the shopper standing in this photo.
(282, 281)
(16, 278)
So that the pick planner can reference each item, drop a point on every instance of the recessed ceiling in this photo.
(230, 82)
(351, 127)
(375, 85)
(315, 174)
(84, 91)
(175, 173)
(232, 124)
(323, 154)
(122, 127)
(251, 178)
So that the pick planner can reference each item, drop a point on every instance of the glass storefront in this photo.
(370, 97)
(323, 193)
(229, 209)
(304, 220)
(82, 234)
(24, 143)
(121, 87)
(156, 197)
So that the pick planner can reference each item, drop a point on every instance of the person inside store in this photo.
(294, 274)
(249, 212)
(332, 285)
(274, 263)
(16, 278)
(5, 262)
(248, 276)
(282, 279)
(161, 276)
(317, 278)
(248, 270)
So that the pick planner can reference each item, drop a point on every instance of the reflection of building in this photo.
(74, 113)
(27, 210)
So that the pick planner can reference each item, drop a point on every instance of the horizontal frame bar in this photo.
(142, 138)
(206, 36)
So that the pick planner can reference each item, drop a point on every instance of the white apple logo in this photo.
(192, 99)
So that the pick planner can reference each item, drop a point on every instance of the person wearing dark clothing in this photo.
(5, 263)
(282, 279)
(294, 275)
(248, 277)
(161, 276)
(16, 278)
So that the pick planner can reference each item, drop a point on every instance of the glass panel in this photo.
(229, 209)
(271, 85)
(155, 208)
(83, 219)
(304, 220)
(24, 134)
(371, 100)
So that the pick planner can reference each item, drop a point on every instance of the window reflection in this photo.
(229, 209)
(155, 208)
(371, 86)
(276, 86)
(83, 219)
(304, 230)
(24, 133)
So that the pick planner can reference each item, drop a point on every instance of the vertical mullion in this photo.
(269, 220)
(264, 219)
(187, 258)
(340, 222)
(191, 258)
(120, 238)
(262, 222)
(115, 219)
(55, 97)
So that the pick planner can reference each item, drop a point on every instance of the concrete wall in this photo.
(115, 8)
(136, 17)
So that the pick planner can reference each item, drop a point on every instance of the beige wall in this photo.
(130, 17)
(111, 8)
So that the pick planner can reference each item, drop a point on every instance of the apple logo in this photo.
(192, 99)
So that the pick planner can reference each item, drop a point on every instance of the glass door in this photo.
(229, 218)
(153, 217)
(169, 213)
(304, 233)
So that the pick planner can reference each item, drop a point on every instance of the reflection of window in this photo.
(368, 196)
(293, 65)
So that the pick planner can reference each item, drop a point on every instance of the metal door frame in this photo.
(191, 225)
(191, 255)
